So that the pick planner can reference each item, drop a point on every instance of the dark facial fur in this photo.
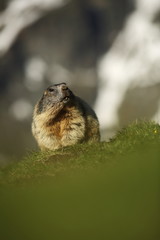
(58, 93)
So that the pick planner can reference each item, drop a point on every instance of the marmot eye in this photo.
(51, 89)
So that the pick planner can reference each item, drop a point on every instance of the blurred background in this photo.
(108, 51)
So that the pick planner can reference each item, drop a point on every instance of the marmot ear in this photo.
(45, 93)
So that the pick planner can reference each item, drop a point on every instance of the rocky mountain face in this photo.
(129, 72)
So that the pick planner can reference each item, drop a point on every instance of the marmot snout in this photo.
(61, 119)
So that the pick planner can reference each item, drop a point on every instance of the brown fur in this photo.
(65, 124)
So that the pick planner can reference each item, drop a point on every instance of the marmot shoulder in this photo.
(61, 119)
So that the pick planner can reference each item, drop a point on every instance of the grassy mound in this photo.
(108, 190)
(39, 165)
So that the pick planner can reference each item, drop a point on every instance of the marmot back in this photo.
(61, 119)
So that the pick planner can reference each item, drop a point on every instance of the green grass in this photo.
(108, 190)
(40, 165)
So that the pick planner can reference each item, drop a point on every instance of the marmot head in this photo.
(54, 96)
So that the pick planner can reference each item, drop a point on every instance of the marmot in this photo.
(61, 119)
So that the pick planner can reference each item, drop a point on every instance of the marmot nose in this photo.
(64, 87)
